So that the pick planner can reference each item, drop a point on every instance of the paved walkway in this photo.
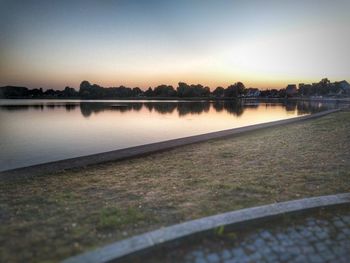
(319, 236)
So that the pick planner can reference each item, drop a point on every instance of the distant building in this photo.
(291, 90)
(251, 92)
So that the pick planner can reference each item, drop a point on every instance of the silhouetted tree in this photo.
(164, 91)
(69, 92)
(85, 88)
(282, 93)
(219, 92)
(149, 92)
(184, 90)
(136, 92)
(37, 92)
(50, 92)
(236, 90)
(14, 92)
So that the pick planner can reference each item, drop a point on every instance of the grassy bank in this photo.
(48, 218)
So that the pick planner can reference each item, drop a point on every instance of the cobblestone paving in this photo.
(323, 236)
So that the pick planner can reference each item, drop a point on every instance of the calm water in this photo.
(39, 131)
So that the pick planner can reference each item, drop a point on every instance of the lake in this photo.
(39, 131)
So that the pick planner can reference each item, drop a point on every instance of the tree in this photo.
(14, 91)
(37, 92)
(183, 89)
(236, 90)
(84, 89)
(149, 92)
(219, 92)
(69, 92)
(324, 86)
(164, 91)
(136, 92)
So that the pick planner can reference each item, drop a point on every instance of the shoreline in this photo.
(146, 149)
(324, 99)
(342, 99)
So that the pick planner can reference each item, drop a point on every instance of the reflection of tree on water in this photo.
(185, 108)
(88, 108)
(160, 107)
(21, 107)
(68, 107)
(137, 106)
(218, 106)
(149, 106)
(234, 107)
(290, 105)
(305, 107)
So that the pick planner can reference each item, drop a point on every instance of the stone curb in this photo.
(149, 240)
(142, 150)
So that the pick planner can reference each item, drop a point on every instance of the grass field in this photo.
(51, 217)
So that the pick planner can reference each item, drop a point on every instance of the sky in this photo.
(264, 44)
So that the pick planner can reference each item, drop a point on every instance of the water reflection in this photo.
(235, 108)
(39, 131)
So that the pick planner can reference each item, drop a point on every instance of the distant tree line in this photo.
(94, 91)
(13, 92)
(183, 90)
(322, 88)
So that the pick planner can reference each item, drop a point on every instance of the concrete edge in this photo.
(151, 239)
(146, 149)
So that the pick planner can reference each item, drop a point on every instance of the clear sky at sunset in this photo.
(270, 43)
